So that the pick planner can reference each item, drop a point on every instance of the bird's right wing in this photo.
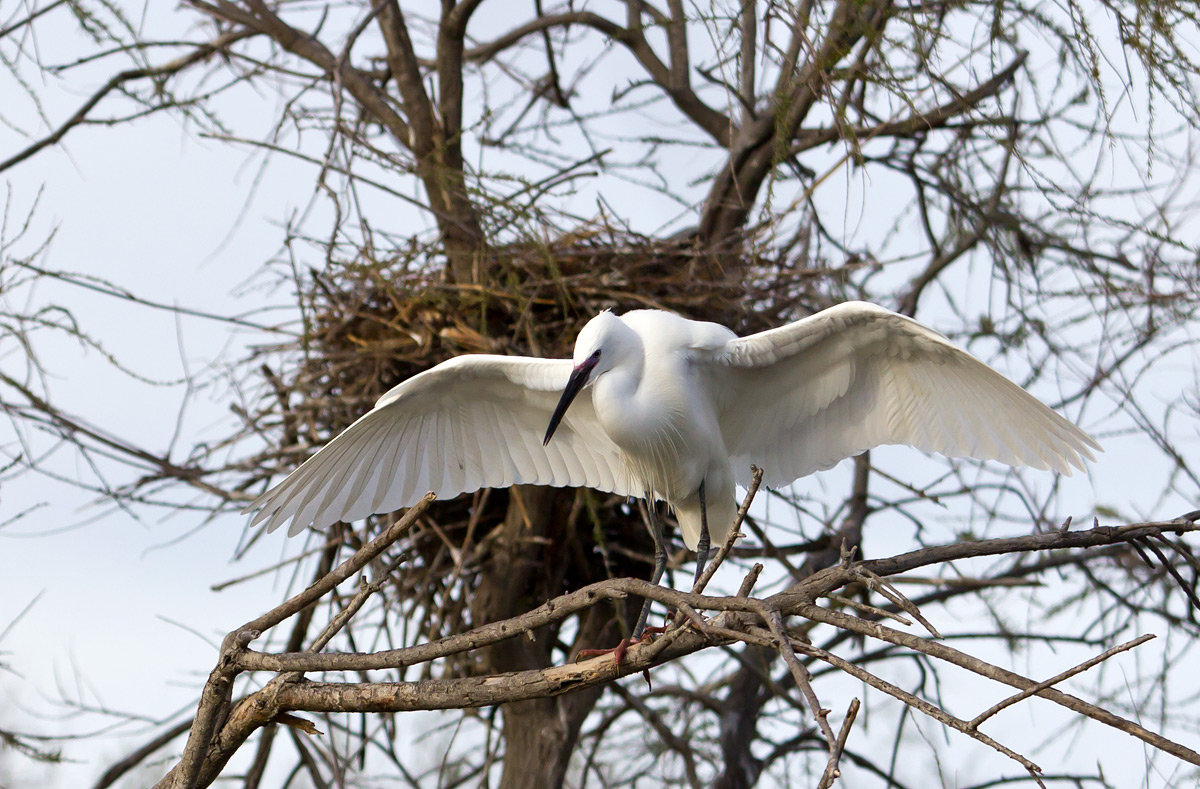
(471, 422)
(802, 397)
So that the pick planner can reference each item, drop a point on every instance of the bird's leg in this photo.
(654, 525)
(660, 563)
(702, 548)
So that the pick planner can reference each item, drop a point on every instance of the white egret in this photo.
(657, 406)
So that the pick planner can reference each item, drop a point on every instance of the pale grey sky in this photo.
(125, 619)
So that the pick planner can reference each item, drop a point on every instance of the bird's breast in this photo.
(667, 439)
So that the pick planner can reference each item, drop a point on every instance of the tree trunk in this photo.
(539, 735)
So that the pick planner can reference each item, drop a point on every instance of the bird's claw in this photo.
(618, 652)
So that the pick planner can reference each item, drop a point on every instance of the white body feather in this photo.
(674, 402)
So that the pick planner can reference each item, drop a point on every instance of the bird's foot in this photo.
(618, 652)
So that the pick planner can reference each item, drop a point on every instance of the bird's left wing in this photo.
(802, 397)
(471, 422)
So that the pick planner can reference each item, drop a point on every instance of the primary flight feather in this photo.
(657, 406)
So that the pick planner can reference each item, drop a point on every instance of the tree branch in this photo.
(201, 53)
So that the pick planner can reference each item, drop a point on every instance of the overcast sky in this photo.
(123, 617)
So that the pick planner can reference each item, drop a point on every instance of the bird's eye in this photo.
(595, 354)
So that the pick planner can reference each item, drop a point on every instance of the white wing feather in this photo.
(471, 422)
(802, 397)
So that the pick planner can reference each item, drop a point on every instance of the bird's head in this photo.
(596, 349)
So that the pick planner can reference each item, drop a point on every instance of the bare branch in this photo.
(201, 53)
(1057, 678)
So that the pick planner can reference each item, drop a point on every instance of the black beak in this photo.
(579, 378)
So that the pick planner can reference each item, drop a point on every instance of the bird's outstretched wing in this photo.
(802, 397)
(471, 422)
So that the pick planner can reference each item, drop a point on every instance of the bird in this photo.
(659, 407)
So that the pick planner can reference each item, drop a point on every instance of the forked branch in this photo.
(221, 727)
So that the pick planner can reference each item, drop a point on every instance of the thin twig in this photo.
(1057, 678)
(832, 772)
(711, 569)
(215, 698)
(801, 676)
(894, 596)
(917, 703)
(867, 609)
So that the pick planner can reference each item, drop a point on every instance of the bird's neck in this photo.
(620, 397)
(623, 382)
